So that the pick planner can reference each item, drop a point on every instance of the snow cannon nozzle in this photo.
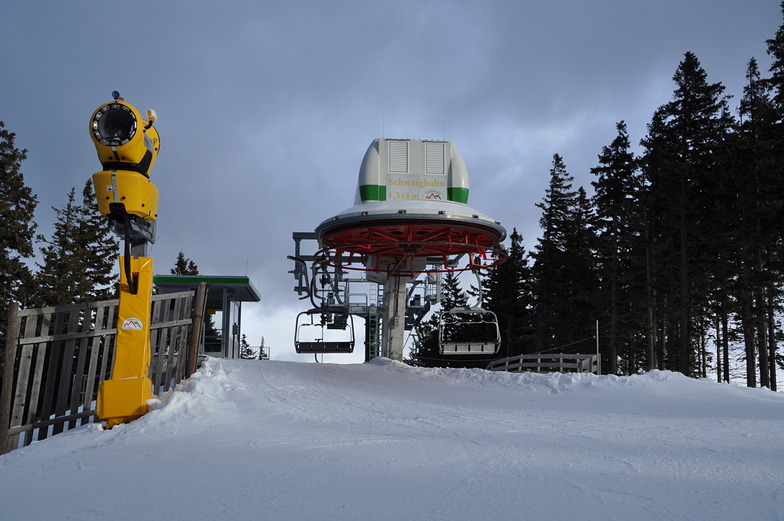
(127, 145)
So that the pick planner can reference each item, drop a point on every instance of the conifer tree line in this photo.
(676, 256)
(76, 263)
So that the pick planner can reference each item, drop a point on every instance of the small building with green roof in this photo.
(223, 318)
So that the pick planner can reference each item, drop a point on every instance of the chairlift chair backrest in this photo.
(313, 337)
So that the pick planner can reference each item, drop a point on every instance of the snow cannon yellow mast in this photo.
(127, 146)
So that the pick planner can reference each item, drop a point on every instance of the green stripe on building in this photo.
(373, 193)
(458, 195)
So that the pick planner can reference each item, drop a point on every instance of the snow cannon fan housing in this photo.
(410, 211)
(127, 146)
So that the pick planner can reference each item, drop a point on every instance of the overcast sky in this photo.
(265, 108)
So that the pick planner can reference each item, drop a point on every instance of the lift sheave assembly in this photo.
(410, 219)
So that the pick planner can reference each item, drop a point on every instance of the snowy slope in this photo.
(383, 441)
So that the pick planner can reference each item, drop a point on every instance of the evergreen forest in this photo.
(674, 260)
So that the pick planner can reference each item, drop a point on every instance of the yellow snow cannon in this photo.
(127, 146)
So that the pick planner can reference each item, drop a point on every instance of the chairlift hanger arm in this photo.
(479, 288)
(328, 280)
(300, 271)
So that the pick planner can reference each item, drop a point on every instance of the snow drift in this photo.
(291, 441)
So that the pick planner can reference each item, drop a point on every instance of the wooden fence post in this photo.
(12, 334)
(198, 320)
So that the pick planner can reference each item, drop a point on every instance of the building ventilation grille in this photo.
(398, 157)
(434, 158)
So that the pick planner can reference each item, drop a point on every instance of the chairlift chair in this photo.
(468, 331)
(316, 332)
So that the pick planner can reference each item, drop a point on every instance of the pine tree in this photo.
(759, 198)
(776, 52)
(100, 248)
(507, 291)
(246, 352)
(619, 224)
(79, 259)
(564, 271)
(59, 279)
(771, 117)
(549, 257)
(17, 207)
(684, 161)
(184, 266)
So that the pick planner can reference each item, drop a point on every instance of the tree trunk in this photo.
(725, 344)
(684, 353)
(663, 342)
(772, 348)
(748, 340)
(762, 342)
(612, 348)
(718, 348)
(651, 292)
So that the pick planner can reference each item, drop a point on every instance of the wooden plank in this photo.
(170, 296)
(78, 377)
(78, 400)
(182, 353)
(167, 354)
(182, 338)
(53, 310)
(44, 425)
(180, 306)
(23, 376)
(101, 319)
(36, 383)
(154, 370)
(12, 332)
(156, 346)
(50, 382)
(107, 353)
(196, 328)
(107, 358)
(22, 386)
(46, 324)
(62, 337)
(66, 365)
(33, 385)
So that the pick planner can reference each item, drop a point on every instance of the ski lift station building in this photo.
(222, 322)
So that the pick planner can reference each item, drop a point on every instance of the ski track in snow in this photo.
(289, 441)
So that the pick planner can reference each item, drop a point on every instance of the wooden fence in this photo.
(549, 362)
(56, 357)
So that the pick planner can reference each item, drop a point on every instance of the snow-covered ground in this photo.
(293, 441)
